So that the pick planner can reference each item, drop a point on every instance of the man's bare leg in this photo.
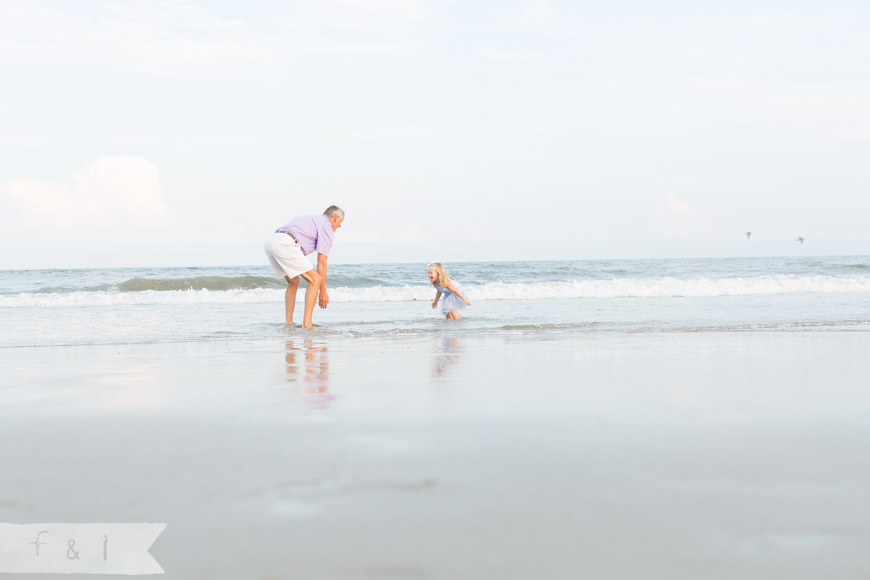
(290, 298)
(311, 293)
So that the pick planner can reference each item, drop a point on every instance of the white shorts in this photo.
(285, 256)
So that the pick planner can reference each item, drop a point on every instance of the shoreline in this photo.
(533, 332)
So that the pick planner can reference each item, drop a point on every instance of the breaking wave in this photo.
(254, 289)
(200, 283)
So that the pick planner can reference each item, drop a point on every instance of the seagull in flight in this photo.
(748, 234)
(799, 239)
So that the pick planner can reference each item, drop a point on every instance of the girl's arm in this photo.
(437, 296)
(450, 287)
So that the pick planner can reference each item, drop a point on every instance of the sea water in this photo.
(144, 305)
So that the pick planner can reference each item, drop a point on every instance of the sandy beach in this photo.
(699, 455)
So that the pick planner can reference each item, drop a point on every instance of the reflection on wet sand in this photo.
(447, 356)
(307, 363)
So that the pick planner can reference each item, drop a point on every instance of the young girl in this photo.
(454, 301)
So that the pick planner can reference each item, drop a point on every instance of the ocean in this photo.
(155, 305)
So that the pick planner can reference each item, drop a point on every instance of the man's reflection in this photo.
(447, 356)
(307, 363)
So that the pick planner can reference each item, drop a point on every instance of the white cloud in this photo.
(679, 219)
(408, 9)
(498, 54)
(120, 190)
(678, 210)
(177, 39)
(412, 233)
(360, 238)
(539, 11)
(8, 141)
(153, 38)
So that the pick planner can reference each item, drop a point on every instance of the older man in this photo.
(287, 248)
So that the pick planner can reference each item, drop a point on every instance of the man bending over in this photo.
(287, 248)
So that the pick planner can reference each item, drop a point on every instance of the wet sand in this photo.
(702, 455)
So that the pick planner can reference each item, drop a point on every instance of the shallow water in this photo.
(118, 306)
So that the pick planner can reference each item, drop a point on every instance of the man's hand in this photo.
(321, 269)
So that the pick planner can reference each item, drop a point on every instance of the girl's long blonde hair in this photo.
(443, 276)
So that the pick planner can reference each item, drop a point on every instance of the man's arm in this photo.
(321, 269)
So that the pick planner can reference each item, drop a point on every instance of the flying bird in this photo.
(799, 239)
(748, 234)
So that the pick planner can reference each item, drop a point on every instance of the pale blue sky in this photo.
(179, 133)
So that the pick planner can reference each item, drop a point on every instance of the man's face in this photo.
(336, 222)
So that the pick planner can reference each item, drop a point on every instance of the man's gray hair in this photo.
(333, 211)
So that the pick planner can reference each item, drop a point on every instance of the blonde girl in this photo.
(454, 300)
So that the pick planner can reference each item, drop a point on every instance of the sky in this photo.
(137, 133)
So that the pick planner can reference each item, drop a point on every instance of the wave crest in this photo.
(199, 283)
(249, 290)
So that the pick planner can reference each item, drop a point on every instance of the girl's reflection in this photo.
(447, 356)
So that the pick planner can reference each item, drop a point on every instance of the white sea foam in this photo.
(615, 288)
(675, 287)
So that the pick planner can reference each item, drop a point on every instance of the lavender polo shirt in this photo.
(313, 232)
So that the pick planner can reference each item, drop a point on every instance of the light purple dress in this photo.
(450, 302)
